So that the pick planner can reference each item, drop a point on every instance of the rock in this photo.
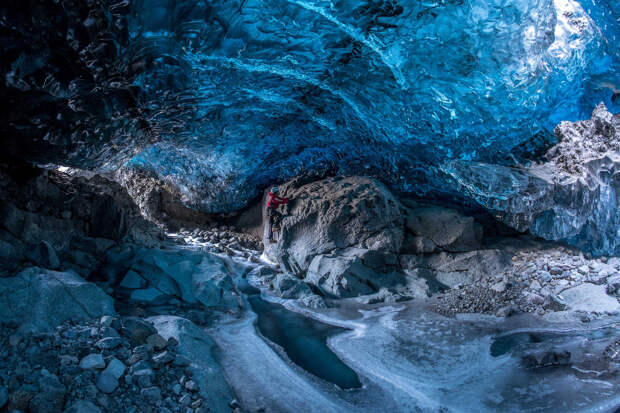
(19, 399)
(157, 342)
(115, 368)
(106, 382)
(39, 300)
(535, 299)
(137, 329)
(191, 385)
(288, 286)
(499, 287)
(152, 394)
(185, 400)
(353, 272)
(195, 345)
(133, 280)
(445, 228)
(108, 343)
(454, 269)
(550, 358)
(92, 361)
(613, 285)
(44, 255)
(554, 303)
(591, 298)
(336, 213)
(148, 295)
(164, 357)
(82, 406)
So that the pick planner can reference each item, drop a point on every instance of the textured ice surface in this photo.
(419, 362)
(224, 97)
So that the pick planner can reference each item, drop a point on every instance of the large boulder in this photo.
(333, 214)
(39, 299)
(432, 228)
(454, 269)
(590, 297)
(353, 272)
(197, 346)
(157, 275)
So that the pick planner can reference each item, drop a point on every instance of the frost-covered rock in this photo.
(590, 297)
(39, 299)
(157, 275)
(454, 269)
(434, 228)
(196, 346)
(352, 272)
(572, 197)
(335, 214)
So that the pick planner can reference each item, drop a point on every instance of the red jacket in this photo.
(274, 201)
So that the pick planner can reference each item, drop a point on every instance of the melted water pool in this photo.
(305, 342)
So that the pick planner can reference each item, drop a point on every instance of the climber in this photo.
(275, 217)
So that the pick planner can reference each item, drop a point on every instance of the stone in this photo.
(554, 303)
(191, 385)
(133, 280)
(499, 287)
(115, 368)
(289, 286)
(19, 399)
(151, 393)
(445, 228)
(185, 400)
(39, 300)
(197, 346)
(92, 361)
(535, 299)
(157, 342)
(51, 395)
(148, 295)
(82, 406)
(108, 343)
(335, 213)
(106, 382)
(164, 357)
(591, 298)
(353, 272)
(137, 329)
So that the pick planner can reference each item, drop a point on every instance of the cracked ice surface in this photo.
(409, 360)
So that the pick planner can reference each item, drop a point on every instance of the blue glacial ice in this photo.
(245, 93)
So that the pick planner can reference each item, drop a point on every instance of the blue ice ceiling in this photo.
(248, 92)
(223, 98)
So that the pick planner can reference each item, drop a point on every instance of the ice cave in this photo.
(244, 206)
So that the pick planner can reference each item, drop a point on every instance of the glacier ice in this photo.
(222, 98)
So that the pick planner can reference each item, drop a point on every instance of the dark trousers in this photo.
(275, 218)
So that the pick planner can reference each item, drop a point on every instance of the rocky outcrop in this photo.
(159, 201)
(571, 197)
(56, 220)
(39, 299)
(325, 219)
(344, 234)
(157, 276)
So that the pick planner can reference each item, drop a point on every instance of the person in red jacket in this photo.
(273, 202)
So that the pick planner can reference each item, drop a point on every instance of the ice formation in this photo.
(222, 98)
